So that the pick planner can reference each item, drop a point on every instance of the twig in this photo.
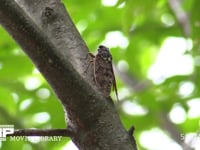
(130, 80)
(173, 131)
(181, 16)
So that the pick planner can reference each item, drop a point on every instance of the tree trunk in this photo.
(46, 33)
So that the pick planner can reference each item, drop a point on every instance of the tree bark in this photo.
(46, 33)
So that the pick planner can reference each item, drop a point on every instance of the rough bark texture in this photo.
(46, 33)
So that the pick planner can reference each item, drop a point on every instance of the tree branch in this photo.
(52, 42)
(173, 131)
(181, 16)
(135, 84)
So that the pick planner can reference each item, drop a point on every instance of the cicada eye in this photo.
(106, 56)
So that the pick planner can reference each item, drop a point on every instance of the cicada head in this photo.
(104, 53)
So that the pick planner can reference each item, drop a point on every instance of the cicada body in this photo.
(103, 73)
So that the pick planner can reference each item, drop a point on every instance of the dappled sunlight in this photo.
(172, 60)
(43, 93)
(25, 104)
(109, 2)
(156, 139)
(192, 139)
(194, 108)
(124, 93)
(15, 97)
(69, 145)
(82, 25)
(115, 39)
(41, 117)
(167, 19)
(186, 88)
(123, 66)
(132, 108)
(177, 114)
(32, 83)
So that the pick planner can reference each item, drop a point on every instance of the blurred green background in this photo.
(156, 53)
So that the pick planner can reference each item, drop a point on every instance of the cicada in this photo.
(103, 73)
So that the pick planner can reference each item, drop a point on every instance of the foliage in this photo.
(135, 31)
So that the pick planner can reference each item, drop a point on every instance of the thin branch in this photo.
(135, 84)
(173, 131)
(46, 132)
(181, 16)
